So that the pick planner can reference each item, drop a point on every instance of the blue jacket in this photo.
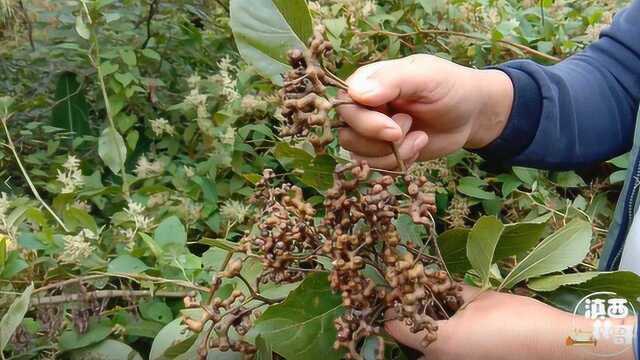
(580, 112)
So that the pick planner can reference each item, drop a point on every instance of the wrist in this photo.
(493, 109)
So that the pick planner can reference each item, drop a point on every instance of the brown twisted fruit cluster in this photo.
(305, 105)
(358, 234)
(220, 315)
(285, 228)
(359, 231)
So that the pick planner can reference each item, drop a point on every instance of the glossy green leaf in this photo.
(127, 264)
(13, 317)
(481, 245)
(81, 28)
(565, 291)
(519, 238)
(453, 245)
(106, 350)
(71, 111)
(265, 352)
(474, 187)
(170, 232)
(265, 30)
(553, 282)
(527, 175)
(112, 149)
(315, 172)
(566, 247)
(98, 331)
(172, 335)
(302, 326)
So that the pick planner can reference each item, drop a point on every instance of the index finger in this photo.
(370, 123)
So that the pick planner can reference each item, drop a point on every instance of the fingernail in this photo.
(391, 134)
(420, 143)
(365, 87)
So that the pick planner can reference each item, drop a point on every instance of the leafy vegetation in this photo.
(134, 132)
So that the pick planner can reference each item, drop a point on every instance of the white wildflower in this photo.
(235, 211)
(190, 210)
(195, 98)
(158, 199)
(194, 80)
(189, 171)
(82, 205)
(146, 168)
(161, 126)
(368, 8)
(251, 104)
(71, 178)
(229, 83)
(136, 212)
(4, 210)
(77, 247)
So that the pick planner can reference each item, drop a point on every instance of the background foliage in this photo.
(133, 132)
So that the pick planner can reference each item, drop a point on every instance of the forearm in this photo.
(582, 110)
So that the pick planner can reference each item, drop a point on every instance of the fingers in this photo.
(364, 146)
(399, 331)
(385, 81)
(369, 123)
(408, 151)
(409, 147)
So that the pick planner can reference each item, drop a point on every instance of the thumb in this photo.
(383, 82)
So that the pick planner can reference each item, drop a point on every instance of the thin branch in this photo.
(431, 32)
(35, 192)
(153, 10)
(105, 294)
(27, 21)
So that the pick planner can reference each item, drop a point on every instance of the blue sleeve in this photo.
(580, 111)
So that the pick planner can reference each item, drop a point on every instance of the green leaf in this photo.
(155, 310)
(78, 218)
(519, 238)
(302, 326)
(482, 243)
(551, 283)
(112, 149)
(13, 317)
(568, 179)
(71, 340)
(622, 161)
(527, 175)
(409, 231)
(172, 335)
(6, 102)
(315, 172)
(125, 79)
(472, 186)
(265, 30)
(567, 247)
(71, 111)
(453, 245)
(129, 57)
(170, 232)
(156, 250)
(81, 28)
(264, 349)
(618, 176)
(127, 264)
(106, 350)
(624, 283)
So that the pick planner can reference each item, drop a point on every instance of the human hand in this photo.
(428, 106)
(500, 326)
